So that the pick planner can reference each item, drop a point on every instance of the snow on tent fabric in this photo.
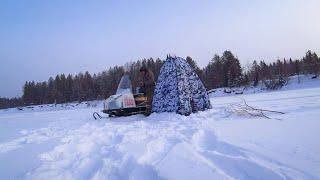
(179, 89)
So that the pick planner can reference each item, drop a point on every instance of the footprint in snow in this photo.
(238, 162)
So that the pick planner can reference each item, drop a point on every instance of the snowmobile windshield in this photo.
(125, 86)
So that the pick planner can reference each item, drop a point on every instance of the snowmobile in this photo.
(125, 102)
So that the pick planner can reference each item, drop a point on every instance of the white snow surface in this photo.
(65, 142)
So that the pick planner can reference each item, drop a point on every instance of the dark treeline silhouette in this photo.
(221, 71)
(10, 102)
(84, 86)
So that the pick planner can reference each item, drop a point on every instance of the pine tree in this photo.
(213, 73)
(232, 72)
(255, 71)
(56, 92)
(50, 92)
(68, 88)
(194, 66)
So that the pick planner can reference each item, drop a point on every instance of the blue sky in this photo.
(41, 38)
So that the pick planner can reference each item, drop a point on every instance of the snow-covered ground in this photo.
(66, 143)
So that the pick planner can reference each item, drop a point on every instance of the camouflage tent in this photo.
(179, 89)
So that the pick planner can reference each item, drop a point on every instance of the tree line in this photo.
(10, 102)
(221, 71)
(226, 71)
(84, 86)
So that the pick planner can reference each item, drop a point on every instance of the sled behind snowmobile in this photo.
(126, 109)
(124, 102)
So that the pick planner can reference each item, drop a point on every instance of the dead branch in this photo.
(252, 111)
(245, 102)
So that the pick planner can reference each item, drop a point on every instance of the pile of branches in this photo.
(245, 109)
